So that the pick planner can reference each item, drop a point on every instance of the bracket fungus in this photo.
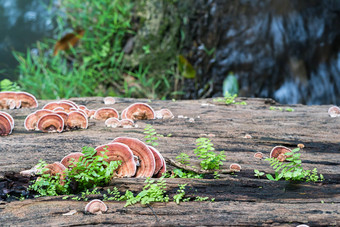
(235, 167)
(334, 111)
(56, 169)
(278, 152)
(258, 155)
(10, 118)
(70, 160)
(119, 151)
(127, 123)
(112, 122)
(65, 105)
(95, 206)
(105, 113)
(141, 150)
(12, 100)
(51, 123)
(138, 111)
(164, 114)
(109, 101)
(162, 170)
(158, 159)
(5, 125)
(76, 120)
(32, 119)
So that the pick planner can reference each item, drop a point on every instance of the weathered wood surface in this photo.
(240, 200)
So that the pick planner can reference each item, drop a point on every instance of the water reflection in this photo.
(22, 23)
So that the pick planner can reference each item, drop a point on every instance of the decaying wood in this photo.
(240, 198)
(188, 167)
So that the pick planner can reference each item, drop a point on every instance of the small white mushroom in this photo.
(95, 206)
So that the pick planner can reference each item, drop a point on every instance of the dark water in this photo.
(285, 49)
(288, 50)
(22, 23)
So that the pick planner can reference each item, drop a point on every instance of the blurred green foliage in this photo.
(103, 63)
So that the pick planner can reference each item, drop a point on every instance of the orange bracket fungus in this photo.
(51, 123)
(138, 111)
(141, 150)
(32, 119)
(112, 122)
(12, 100)
(10, 118)
(76, 119)
(5, 125)
(164, 114)
(56, 169)
(70, 160)
(278, 152)
(127, 123)
(235, 167)
(105, 113)
(119, 151)
(258, 155)
(334, 111)
(95, 206)
(158, 159)
(65, 105)
(109, 101)
(162, 170)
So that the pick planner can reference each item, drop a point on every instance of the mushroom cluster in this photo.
(6, 123)
(15, 100)
(136, 111)
(58, 117)
(279, 152)
(138, 159)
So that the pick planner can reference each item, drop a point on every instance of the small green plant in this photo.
(151, 135)
(200, 199)
(281, 109)
(91, 171)
(7, 85)
(229, 99)
(183, 158)
(205, 151)
(178, 197)
(292, 170)
(181, 173)
(152, 192)
(258, 173)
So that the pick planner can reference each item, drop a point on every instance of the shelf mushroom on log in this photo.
(33, 118)
(105, 113)
(6, 126)
(51, 123)
(70, 160)
(279, 152)
(15, 100)
(141, 150)
(138, 111)
(95, 206)
(119, 152)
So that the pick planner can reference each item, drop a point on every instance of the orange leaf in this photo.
(68, 40)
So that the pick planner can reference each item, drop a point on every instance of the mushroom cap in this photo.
(164, 114)
(56, 168)
(123, 115)
(32, 119)
(10, 118)
(70, 102)
(139, 111)
(258, 155)
(62, 114)
(95, 206)
(105, 113)
(5, 125)
(76, 119)
(59, 108)
(158, 159)
(162, 170)
(141, 150)
(109, 100)
(27, 100)
(334, 111)
(112, 122)
(278, 152)
(127, 123)
(119, 151)
(52, 105)
(235, 167)
(7, 100)
(82, 107)
(51, 123)
(71, 159)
